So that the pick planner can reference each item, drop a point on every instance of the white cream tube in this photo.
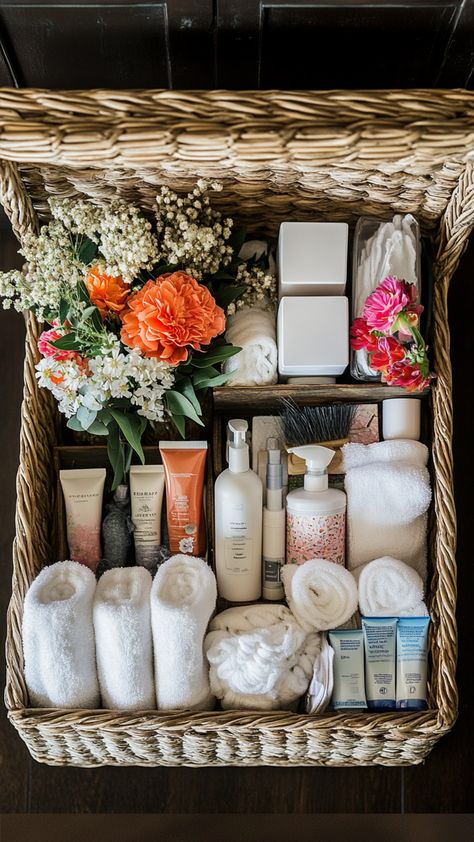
(83, 490)
(147, 484)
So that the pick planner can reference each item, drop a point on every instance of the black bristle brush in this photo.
(327, 425)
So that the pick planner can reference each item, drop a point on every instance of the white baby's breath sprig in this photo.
(260, 289)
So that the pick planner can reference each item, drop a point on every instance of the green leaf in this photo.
(116, 454)
(87, 251)
(179, 404)
(226, 294)
(132, 427)
(215, 356)
(68, 342)
(87, 312)
(179, 422)
(74, 424)
(187, 389)
(86, 417)
(211, 382)
(63, 310)
(97, 428)
(82, 292)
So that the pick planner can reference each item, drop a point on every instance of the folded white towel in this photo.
(58, 638)
(321, 594)
(122, 626)
(253, 330)
(260, 657)
(390, 588)
(183, 598)
(388, 496)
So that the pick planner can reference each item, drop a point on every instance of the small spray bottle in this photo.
(316, 514)
(273, 524)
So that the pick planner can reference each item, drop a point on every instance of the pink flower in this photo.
(388, 300)
(408, 375)
(389, 352)
(361, 336)
(47, 350)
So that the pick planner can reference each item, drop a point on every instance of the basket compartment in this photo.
(334, 155)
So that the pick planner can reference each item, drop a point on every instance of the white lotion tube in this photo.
(83, 490)
(147, 483)
(349, 687)
(379, 640)
(412, 662)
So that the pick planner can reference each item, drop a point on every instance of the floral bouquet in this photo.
(388, 331)
(136, 311)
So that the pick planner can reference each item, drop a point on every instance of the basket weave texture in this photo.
(330, 155)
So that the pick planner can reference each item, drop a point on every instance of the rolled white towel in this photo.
(253, 330)
(388, 496)
(58, 638)
(390, 588)
(322, 595)
(260, 657)
(122, 626)
(183, 598)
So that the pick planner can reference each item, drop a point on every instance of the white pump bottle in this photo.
(316, 514)
(238, 498)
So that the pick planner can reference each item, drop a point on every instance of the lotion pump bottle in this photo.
(273, 525)
(238, 498)
(316, 514)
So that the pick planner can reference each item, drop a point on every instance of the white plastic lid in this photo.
(331, 501)
(238, 448)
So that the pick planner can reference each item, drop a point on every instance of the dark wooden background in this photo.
(243, 44)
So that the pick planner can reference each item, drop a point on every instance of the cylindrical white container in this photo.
(274, 541)
(401, 418)
(238, 494)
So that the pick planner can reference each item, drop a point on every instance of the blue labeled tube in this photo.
(379, 640)
(349, 689)
(412, 662)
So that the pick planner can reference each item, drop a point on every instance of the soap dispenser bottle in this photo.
(238, 500)
(316, 514)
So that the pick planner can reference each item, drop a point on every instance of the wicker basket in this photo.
(280, 155)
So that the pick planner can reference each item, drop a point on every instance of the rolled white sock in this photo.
(253, 330)
(122, 626)
(183, 598)
(390, 588)
(260, 657)
(58, 638)
(321, 594)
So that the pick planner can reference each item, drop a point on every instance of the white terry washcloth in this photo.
(388, 496)
(183, 598)
(122, 626)
(253, 330)
(260, 657)
(58, 638)
(390, 588)
(321, 594)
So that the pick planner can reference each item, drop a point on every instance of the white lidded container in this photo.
(238, 501)
(313, 335)
(316, 514)
(312, 258)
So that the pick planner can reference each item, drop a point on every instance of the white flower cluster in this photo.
(191, 232)
(111, 375)
(261, 289)
(124, 237)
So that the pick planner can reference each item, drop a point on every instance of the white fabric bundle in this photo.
(322, 683)
(58, 638)
(253, 330)
(260, 657)
(388, 496)
(321, 594)
(390, 588)
(183, 598)
(122, 626)
(391, 250)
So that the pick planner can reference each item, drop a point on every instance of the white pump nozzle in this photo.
(238, 428)
(238, 447)
(317, 459)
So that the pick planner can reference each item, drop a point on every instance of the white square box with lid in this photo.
(313, 335)
(312, 258)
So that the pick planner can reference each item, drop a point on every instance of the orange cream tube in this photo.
(184, 464)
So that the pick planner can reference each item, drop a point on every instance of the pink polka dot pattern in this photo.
(317, 536)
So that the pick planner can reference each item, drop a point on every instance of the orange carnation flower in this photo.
(109, 294)
(170, 315)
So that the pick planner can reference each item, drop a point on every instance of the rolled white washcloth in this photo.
(58, 638)
(321, 594)
(122, 626)
(390, 588)
(388, 496)
(253, 330)
(183, 598)
(260, 657)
